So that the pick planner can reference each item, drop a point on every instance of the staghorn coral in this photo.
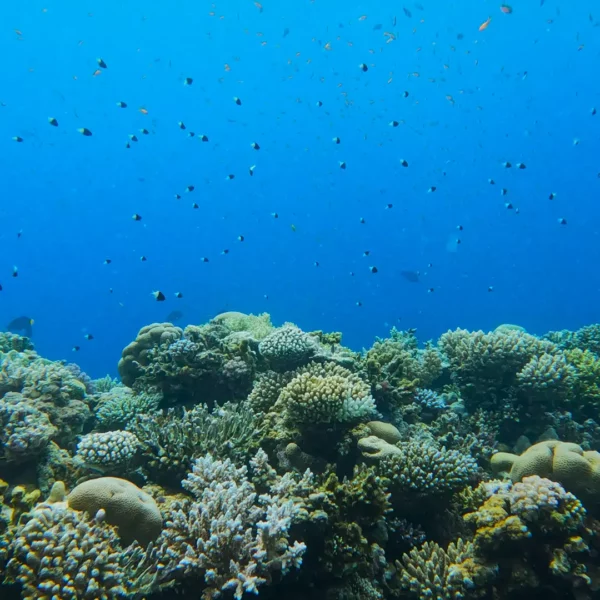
(105, 384)
(171, 441)
(229, 535)
(396, 367)
(107, 451)
(120, 405)
(287, 348)
(321, 394)
(25, 431)
(431, 572)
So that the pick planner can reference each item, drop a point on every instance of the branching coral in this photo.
(120, 405)
(431, 572)
(170, 442)
(288, 347)
(396, 367)
(231, 536)
(326, 394)
(107, 451)
(25, 431)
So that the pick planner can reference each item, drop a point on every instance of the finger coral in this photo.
(117, 407)
(108, 450)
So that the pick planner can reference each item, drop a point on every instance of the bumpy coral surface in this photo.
(107, 450)
(288, 347)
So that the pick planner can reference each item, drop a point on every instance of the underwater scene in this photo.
(299, 300)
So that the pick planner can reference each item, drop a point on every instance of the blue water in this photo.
(73, 197)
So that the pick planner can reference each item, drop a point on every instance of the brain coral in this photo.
(132, 510)
(566, 463)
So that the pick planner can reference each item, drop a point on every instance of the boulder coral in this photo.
(131, 510)
(566, 463)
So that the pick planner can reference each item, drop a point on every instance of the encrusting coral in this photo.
(241, 458)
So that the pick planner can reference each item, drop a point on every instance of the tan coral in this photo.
(132, 510)
(577, 470)
(385, 431)
(374, 448)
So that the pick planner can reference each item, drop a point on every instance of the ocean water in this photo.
(521, 90)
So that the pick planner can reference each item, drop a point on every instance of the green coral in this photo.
(326, 394)
(586, 381)
(396, 367)
(171, 441)
(11, 341)
(258, 326)
(120, 405)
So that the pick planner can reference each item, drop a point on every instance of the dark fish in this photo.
(174, 315)
(21, 325)
(412, 276)
(407, 12)
(286, 32)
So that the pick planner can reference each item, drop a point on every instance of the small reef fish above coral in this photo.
(238, 457)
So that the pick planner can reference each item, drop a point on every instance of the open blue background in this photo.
(73, 196)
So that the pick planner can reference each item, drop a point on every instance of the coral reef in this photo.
(237, 458)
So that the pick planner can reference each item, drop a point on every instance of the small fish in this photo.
(407, 12)
(144, 131)
(75, 348)
(336, 140)
(389, 206)
(143, 110)
(503, 192)
(52, 121)
(403, 162)
(143, 258)
(508, 205)
(363, 67)
(240, 238)
(17, 138)
(136, 217)
(178, 295)
(203, 138)
(342, 164)
(405, 94)
(181, 124)
(133, 137)
(255, 146)
(158, 296)
(552, 196)
(21, 325)
(520, 165)
(225, 251)
(203, 259)
(191, 134)
(431, 189)
(459, 227)
(286, 32)
(366, 253)
(230, 177)
(412, 276)
(362, 221)
(393, 123)
(562, 221)
(190, 188)
(107, 261)
(15, 271)
(188, 81)
(359, 303)
(84, 131)
(88, 336)
(275, 215)
(251, 170)
(293, 227)
(491, 182)
(319, 103)
(122, 104)
(96, 73)
(101, 63)
(373, 270)
(490, 288)
(506, 9)
(485, 24)
(507, 165)
(237, 100)
(316, 263)
(195, 205)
